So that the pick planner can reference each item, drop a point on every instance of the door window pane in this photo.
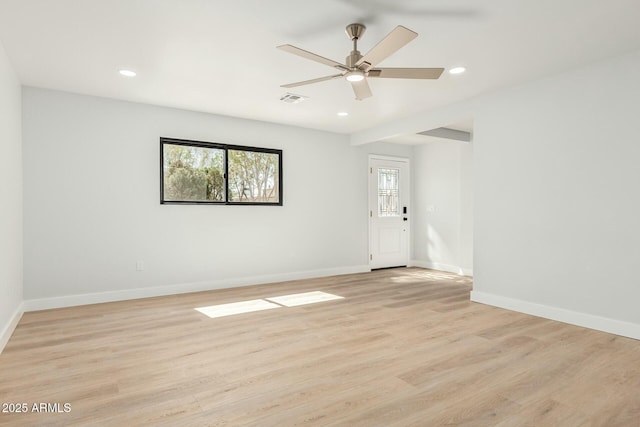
(388, 192)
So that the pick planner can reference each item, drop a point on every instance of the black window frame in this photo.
(225, 148)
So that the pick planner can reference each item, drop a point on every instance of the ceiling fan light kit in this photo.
(357, 68)
(354, 76)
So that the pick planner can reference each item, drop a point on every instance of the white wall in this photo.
(557, 203)
(466, 208)
(11, 197)
(92, 204)
(443, 211)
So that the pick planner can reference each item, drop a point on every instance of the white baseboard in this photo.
(605, 324)
(7, 331)
(183, 288)
(442, 267)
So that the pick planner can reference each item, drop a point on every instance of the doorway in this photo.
(389, 213)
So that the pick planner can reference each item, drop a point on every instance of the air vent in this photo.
(292, 98)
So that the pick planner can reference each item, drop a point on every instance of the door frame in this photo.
(407, 161)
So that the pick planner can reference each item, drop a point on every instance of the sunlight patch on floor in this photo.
(304, 298)
(292, 300)
(222, 310)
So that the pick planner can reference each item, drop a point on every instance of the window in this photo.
(253, 176)
(194, 172)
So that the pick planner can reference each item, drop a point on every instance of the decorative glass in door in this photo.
(388, 192)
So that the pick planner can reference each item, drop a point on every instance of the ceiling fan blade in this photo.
(406, 73)
(308, 82)
(312, 56)
(361, 89)
(396, 39)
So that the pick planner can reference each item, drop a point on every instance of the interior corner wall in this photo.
(556, 197)
(443, 208)
(11, 197)
(466, 208)
(92, 205)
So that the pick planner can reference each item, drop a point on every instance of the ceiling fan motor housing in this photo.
(352, 59)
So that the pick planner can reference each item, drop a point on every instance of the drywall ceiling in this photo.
(219, 56)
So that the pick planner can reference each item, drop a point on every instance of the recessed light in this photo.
(457, 70)
(128, 73)
(343, 113)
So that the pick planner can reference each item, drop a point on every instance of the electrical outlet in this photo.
(139, 265)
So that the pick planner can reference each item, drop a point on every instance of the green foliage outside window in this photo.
(193, 173)
(253, 176)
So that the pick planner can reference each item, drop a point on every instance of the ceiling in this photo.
(219, 56)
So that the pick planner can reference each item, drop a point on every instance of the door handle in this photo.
(405, 219)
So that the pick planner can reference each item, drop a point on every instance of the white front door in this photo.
(388, 212)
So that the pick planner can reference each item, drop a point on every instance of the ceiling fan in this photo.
(358, 68)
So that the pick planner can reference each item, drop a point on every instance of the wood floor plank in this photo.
(405, 347)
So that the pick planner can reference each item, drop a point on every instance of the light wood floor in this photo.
(405, 347)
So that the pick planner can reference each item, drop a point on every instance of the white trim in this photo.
(605, 324)
(387, 158)
(467, 271)
(442, 267)
(183, 288)
(11, 326)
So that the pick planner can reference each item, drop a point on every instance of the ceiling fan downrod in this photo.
(354, 32)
